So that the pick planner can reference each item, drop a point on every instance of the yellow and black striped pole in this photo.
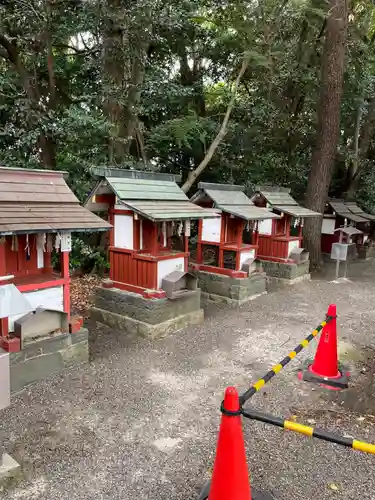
(310, 431)
(277, 368)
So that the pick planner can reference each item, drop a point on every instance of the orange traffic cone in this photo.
(230, 478)
(325, 368)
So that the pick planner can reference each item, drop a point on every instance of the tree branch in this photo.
(220, 135)
(4, 54)
(75, 51)
(10, 49)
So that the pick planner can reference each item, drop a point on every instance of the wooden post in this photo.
(240, 223)
(47, 256)
(4, 327)
(64, 260)
(240, 227)
(4, 323)
(186, 244)
(111, 220)
(199, 245)
(300, 228)
(169, 235)
(238, 261)
(136, 233)
(154, 239)
(223, 232)
(186, 258)
(199, 253)
(287, 225)
(2, 258)
(256, 234)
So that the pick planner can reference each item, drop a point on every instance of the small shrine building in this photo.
(233, 238)
(280, 241)
(149, 251)
(38, 214)
(235, 231)
(340, 213)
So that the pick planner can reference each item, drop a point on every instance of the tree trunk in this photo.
(124, 55)
(328, 124)
(114, 41)
(46, 143)
(362, 140)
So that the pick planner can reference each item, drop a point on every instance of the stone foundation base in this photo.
(366, 252)
(279, 273)
(151, 318)
(47, 355)
(231, 292)
(274, 284)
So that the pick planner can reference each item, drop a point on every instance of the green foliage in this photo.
(179, 61)
(86, 258)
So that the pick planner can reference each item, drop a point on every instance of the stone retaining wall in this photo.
(48, 355)
(231, 291)
(132, 313)
(286, 271)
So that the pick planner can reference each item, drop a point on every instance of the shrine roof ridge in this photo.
(221, 187)
(129, 173)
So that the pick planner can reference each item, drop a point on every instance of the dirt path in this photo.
(141, 421)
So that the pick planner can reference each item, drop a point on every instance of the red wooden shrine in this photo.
(236, 231)
(38, 213)
(339, 213)
(281, 240)
(151, 219)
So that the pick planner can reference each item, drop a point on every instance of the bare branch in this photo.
(220, 135)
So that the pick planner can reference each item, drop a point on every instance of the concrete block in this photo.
(42, 358)
(285, 270)
(130, 325)
(75, 354)
(8, 467)
(152, 311)
(33, 352)
(208, 298)
(275, 284)
(31, 370)
(55, 342)
(17, 357)
(230, 291)
(80, 336)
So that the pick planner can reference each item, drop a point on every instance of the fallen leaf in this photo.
(360, 419)
(82, 290)
(333, 487)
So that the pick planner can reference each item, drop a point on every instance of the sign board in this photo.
(343, 251)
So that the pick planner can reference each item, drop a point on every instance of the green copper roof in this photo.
(144, 189)
(170, 210)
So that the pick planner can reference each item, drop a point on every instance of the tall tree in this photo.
(328, 123)
(127, 30)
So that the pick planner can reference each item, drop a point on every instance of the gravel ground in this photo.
(141, 421)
